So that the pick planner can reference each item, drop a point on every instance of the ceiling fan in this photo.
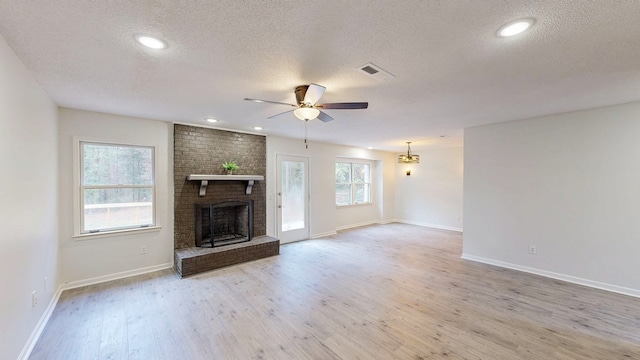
(307, 108)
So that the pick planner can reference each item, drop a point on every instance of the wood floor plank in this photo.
(390, 291)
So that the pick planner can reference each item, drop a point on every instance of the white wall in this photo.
(28, 201)
(568, 184)
(101, 257)
(325, 218)
(432, 194)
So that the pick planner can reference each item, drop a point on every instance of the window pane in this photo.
(105, 164)
(343, 173)
(293, 190)
(117, 208)
(361, 193)
(343, 194)
(360, 173)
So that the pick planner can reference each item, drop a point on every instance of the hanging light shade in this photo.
(408, 158)
(306, 113)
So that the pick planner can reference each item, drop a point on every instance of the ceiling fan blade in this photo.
(352, 105)
(282, 113)
(270, 102)
(314, 93)
(324, 117)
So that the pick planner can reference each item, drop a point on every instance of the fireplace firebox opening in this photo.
(224, 223)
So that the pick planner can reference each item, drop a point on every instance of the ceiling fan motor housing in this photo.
(301, 91)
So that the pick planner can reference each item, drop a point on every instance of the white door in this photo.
(292, 199)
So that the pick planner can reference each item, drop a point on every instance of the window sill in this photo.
(353, 205)
(115, 233)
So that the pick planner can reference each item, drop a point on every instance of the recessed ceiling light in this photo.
(257, 128)
(515, 27)
(369, 147)
(151, 42)
(212, 120)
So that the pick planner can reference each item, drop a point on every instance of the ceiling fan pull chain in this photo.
(306, 146)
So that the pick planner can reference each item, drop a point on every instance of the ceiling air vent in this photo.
(369, 70)
(375, 72)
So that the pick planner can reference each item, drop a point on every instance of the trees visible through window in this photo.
(353, 183)
(117, 187)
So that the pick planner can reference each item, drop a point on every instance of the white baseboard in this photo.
(321, 235)
(116, 276)
(568, 278)
(435, 226)
(35, 335)
(351, 226)
(368, 223)
(37, 331)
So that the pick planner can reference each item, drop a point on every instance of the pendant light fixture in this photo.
(408, 158)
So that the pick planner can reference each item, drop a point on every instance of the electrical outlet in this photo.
(143, 249)
(34, 299)
(532, 249)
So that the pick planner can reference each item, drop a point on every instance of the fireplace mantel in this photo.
(204, 180)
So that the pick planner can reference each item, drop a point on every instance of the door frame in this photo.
(277, 211)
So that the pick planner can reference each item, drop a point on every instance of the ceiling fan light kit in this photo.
(306, 113)
(307, 107)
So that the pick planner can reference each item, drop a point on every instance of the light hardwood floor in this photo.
(382, 292)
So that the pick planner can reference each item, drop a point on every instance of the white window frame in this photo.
(78, 201)
(351, 183)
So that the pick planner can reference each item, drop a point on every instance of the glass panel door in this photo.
(293, 195)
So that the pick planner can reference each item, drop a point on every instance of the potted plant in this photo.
(230, 166)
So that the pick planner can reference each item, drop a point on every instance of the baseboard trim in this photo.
(351, 226)
(115, 276)
(321, 235)
(553, 275)
(368, 223)
(435, 226)
(37, 331)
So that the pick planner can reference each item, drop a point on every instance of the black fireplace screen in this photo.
(224, 223)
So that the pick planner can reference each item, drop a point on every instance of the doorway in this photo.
(292, 200)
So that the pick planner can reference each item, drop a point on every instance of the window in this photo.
(353, 183)
(117, 187)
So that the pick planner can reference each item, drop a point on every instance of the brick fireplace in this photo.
(202, 151)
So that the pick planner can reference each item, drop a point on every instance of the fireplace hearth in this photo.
(224, 223)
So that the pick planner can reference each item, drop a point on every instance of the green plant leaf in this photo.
(230, 165)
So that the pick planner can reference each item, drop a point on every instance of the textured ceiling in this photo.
(451, 71)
